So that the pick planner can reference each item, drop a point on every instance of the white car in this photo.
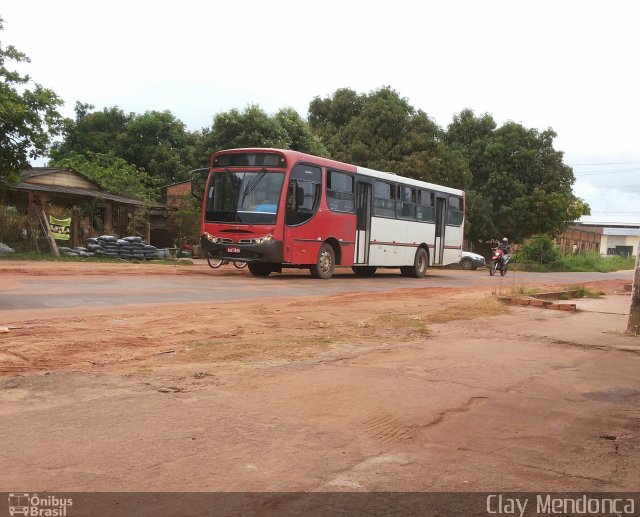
(469, 260)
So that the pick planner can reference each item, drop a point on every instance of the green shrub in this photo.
(540, 250)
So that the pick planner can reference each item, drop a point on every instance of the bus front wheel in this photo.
(260, 268)
(419, 268)
(325, 264)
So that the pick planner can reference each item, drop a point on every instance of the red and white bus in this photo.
(276, 208)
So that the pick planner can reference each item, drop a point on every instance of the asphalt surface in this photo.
(191, 285)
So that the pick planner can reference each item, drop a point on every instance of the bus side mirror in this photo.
(198, 182)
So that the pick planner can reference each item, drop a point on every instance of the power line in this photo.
(613, 171)
(602, 163)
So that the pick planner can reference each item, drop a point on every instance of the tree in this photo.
(253, 127)
(159, 143)
(113, 174)
(29, 118)
(155, 141)
(99, 132)
(523, 185)
(250, 128)
(299, 133)
(381, 130)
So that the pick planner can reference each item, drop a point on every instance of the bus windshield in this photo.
(244, 197)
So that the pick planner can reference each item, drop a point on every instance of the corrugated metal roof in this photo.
(621, 231)
(78, 192)
(35, 172)
(632, 220)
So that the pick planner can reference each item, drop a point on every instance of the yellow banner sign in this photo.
(61, 228)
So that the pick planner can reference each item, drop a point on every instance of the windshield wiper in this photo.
(251, 186)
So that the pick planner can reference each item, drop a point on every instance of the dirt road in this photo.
(423, 389)
(47, 285)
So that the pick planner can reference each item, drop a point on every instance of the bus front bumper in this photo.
(268, 251)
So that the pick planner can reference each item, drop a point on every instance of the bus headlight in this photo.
(211, 238)
(264, 239)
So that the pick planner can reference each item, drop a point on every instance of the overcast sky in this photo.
(571, 65)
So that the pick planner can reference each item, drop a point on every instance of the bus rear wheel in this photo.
(260, 268)
(364, 270)
(419, 268)
(324, 266)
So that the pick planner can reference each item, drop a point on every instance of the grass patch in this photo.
(568, 293)
(582, 262)
(418, 323)
(225, 349)
(414, 323)
(487, 306)
(620, 332)
(522, 290)
(582, 291)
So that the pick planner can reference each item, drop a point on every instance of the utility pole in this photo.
(633, 326)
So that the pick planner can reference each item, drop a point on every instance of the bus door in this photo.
(363, 222)
(441, 214)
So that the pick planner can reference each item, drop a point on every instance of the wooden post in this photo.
(108, 219)
(75, 228)
(633, 326)
(52, 241)
(30, 201)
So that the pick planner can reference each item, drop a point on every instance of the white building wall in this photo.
(609, 242)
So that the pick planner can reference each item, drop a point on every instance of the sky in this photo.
(569, 65)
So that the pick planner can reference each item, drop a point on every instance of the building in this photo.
(613, 235)
(577, 239)
(61, 193)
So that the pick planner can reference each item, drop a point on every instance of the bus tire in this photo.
(364, 270)
(260, 268)
(324, 266)
(419, 268)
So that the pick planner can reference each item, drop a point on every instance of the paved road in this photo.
(199, 283)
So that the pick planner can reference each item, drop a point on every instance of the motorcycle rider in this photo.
(506, 250)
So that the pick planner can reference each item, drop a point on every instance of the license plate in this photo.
(233, 250)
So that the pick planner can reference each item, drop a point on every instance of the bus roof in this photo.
(327, 162)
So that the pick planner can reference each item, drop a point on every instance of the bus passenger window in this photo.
(407, 204)
(384, 200)
(455, 211)
(426, 204)
(340, 193)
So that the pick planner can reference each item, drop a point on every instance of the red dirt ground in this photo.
(436, 389)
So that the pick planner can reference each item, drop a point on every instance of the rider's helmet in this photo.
(505, 240)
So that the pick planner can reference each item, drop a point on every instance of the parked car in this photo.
(469, 260)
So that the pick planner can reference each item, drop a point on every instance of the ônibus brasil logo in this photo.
(38, 506)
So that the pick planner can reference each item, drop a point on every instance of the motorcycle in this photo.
(499, 262)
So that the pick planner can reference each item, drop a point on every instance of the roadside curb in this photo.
(532, 301)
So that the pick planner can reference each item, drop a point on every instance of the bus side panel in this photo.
(303, 242)
(453, 244)
(421, 233)
(390, 245)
